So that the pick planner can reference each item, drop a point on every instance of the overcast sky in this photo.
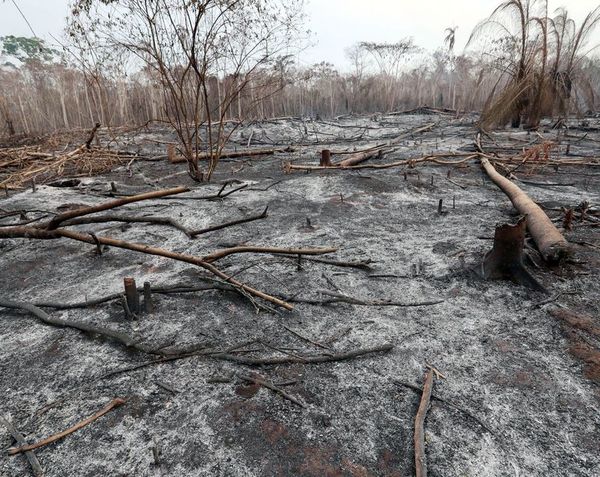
(336, 24)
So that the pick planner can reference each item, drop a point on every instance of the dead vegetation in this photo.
(287, 307)
(540, 65)
(513, 257)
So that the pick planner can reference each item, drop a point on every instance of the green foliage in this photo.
(27, 49)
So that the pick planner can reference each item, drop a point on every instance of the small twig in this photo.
(195, 233)
(255, 379)
(112, 405)
(20, 439)
(436, 371)
(308, 340)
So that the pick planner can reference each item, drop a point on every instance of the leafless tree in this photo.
(191, 48)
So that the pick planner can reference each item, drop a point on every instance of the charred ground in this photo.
(521, 390)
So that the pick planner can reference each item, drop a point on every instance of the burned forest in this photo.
(220, 259)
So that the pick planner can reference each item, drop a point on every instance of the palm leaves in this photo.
(539, 75)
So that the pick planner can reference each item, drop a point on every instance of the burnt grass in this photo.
(521, 393)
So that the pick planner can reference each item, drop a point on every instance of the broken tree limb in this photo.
(61, 435)
(343, 356)
(59, 219)
(44, 317)
(201, 262)
(505, 260)
(341, 298)
(248, 361)
(88, 143)
(126, 219)
(551, 244)
(213, 257)
(420, 458)
(233, 223)
(20, 440)
(233, 154)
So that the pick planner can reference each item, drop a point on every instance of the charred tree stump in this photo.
(325, 158)
(171, 153)
(505, 260)
(132, 295)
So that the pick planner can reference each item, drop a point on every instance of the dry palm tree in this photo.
(538, 77)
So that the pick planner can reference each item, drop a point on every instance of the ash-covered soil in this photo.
(521, 390)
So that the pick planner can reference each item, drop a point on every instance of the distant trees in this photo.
(130, 62)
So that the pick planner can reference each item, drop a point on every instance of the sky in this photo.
(335, 24)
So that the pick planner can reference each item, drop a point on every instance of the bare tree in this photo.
(389, 58)
(192, 48)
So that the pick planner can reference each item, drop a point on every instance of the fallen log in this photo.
(551, 244)
(232, 154)
(357, 159)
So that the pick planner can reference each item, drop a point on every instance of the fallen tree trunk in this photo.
(356, 159)
(551, 244)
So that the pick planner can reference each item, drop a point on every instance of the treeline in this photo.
(41, 97)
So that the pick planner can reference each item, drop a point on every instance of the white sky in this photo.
(336, 24)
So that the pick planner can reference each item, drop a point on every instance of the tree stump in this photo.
(325, 158)
(505, 260)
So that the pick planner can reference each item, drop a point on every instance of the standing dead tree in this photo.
(205, 56)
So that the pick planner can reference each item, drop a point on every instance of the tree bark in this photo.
(505, 260)
(551, 244)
